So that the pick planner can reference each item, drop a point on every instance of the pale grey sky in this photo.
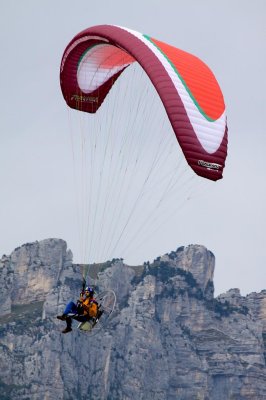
(35, 156)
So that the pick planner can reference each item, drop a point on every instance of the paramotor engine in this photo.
(106, 301)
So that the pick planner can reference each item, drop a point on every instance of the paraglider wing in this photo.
(192, 98)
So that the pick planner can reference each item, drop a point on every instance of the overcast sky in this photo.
(35, 158)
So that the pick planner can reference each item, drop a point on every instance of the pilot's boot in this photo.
(62, 317)
(68, 327)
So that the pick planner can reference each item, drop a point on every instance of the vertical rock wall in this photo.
(168, 337)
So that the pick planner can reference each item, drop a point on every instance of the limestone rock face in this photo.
(168, 337)
(33, 270)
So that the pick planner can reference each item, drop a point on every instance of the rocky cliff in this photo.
(168, 337)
